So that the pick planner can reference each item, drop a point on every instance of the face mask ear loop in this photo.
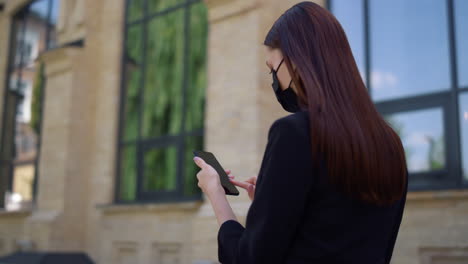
(290, 82)
(279, 65)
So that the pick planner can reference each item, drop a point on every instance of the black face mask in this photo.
(287, 97)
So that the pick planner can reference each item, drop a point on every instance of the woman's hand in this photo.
(248, 185)
(208, 178)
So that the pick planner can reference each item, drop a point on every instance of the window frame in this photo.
(12, 64)
(145, 144)
(451, 176)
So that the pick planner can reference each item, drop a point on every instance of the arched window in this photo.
(162, 100)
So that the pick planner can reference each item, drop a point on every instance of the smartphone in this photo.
(209, 158)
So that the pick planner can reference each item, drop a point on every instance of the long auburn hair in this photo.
(363, 154)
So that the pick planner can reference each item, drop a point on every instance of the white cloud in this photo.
(382, 79)
(417, 139)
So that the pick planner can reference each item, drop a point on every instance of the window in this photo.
(25, 48)
(413, 57)
(32, 28)
(461, 26)
(464, 132)
(162, 100)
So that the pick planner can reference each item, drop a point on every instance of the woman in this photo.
(333, 180)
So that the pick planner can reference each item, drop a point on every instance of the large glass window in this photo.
(406, 57)
(415, 54)
(162, 103)
(422, 134)
(33, 31)
(461, 21)
(350, 13)
(464, 133)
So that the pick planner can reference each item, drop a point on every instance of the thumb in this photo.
(200, 162)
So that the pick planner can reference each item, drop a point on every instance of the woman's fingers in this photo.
(228, 172)
(252, 180)
(244, 185)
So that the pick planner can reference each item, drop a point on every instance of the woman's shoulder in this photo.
(295, 124)
(295, 121)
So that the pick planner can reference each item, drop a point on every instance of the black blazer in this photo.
(296, 217)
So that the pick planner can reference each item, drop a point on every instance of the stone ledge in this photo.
(12, 7)
(15, 213)
(438, 195)
(60, 59)
(149, 207)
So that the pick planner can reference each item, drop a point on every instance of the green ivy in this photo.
(36, 99)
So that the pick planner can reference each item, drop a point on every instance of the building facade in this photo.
(102, 103)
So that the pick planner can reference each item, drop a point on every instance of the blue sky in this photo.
(410, 56)
(41, 7)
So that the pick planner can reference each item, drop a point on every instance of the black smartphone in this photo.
(209, 158)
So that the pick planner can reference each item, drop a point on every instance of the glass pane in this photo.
(24, 96)
(159, 5)
(461, 25)
(23, 181)
(27, 85)
(164, 75)
(35, 35)
(128, 173)
(195, 94)
(20, 47)
(40, 9)
(5, 170)
(132, 62)
(160, 169)
(464, 133)
(191, 169)
(52, 41)
(350, 14)
(8, 134)
(135, 9)
(410, 53)
(423, 138)
(55, 11)
(36, 100)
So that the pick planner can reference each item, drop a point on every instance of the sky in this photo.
(410, 55)
(41, 8)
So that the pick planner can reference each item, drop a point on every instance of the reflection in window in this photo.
(422, 135)
(194, 112)
(160, 169)
(163, 103)
(410, 52)
(410, 65)
(159, 5)
(133, 60)
(461, 26)
(128, 170)
(350, 14)
(464, 133)
(135, 9)
(33, 31)
(164, 77)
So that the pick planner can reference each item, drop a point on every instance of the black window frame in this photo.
(451, 176)
(143, 145)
